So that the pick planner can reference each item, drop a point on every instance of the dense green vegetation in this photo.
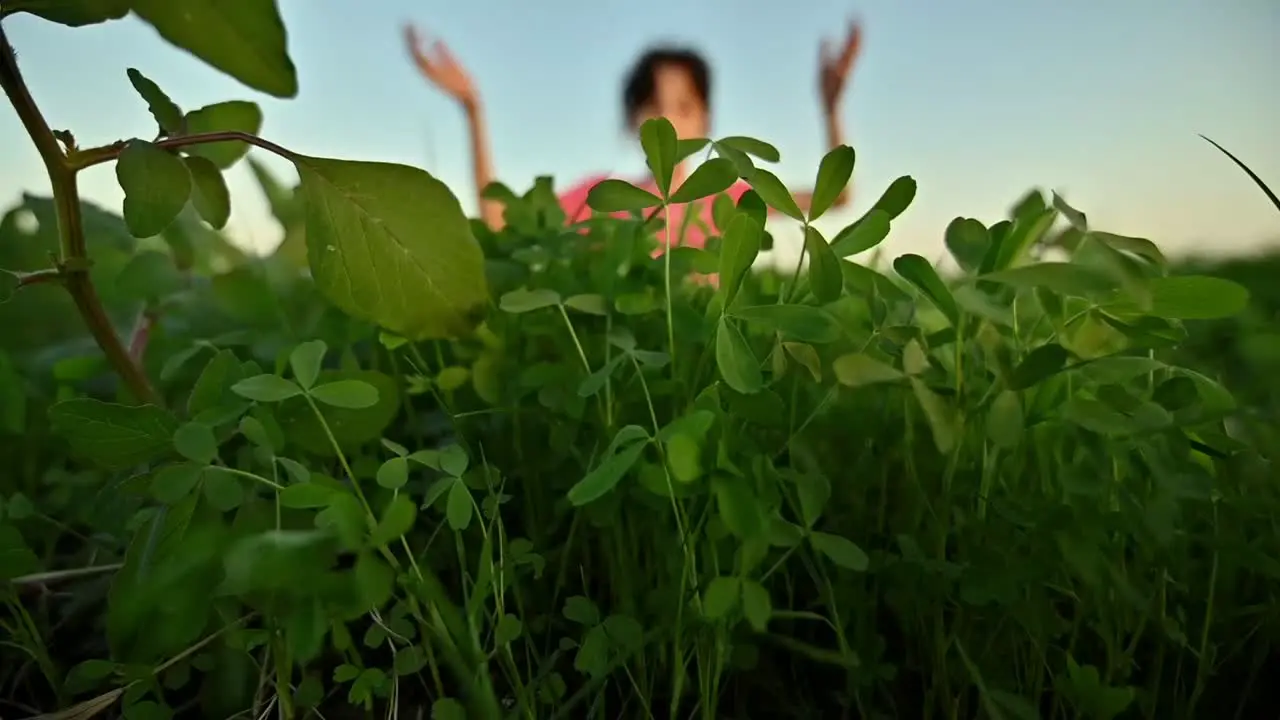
(408, 464)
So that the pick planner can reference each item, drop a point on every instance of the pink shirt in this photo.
(574, 203)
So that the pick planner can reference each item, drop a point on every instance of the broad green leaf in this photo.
(305, 361)
(1189, 297)
(658, 138)
(1005, 421)
(968, 242)
(452, 378)
(1038, 365)
(508, 630)
(1060, 277)
(393, 474)
(738, 365)
(741, 161)
(915, 360)
(591, 304)
(156, 186)
(944, 423)
(857, 370)
(713, 176)
(581, 610)
(753, 205)
(686, 147)
(306, 495)
(897, 197)
(1025, 233)
(917, 271)
(232, 115)
(751, 146)
(806, 356)
(721, 596)
(16, 558)
(374, 578)
(756, 605)
(1073, 216)
(167, 114)
(172, 483)
(224, 491)
(862, 235)
(826, 280)
(446, 708)
(833, 176)
(738, 251)
(454, 460)
(212, 387)
(597, 380)
(800, 322)
(266, 388)
(775, 194)
(458, 507)
(614, 195)
(195, 442)
(116, 437)
(607, 474)
(1138, 246)
(684, 456)
(348, 394)
(72, 13)
(739, 510)
(523, 300)
(840, 550)
(390, 244)
(209, 192)
(396, 520)
(409, 660)
(722, 211)
(245, 39)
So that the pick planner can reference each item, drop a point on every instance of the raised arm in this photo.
(834, 70)
(441, 69)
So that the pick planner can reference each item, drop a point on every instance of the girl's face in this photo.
(675, 97)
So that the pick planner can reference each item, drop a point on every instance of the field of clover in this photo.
(406, 464)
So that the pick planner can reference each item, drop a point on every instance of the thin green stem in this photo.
(251, 476)
(788, 293)
(582, 354)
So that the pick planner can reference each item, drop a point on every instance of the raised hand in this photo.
(834, 66)
(439, 67)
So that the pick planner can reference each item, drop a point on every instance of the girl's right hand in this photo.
(439, 67)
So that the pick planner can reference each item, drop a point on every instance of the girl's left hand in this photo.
(834, 68)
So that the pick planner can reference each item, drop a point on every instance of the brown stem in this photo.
(82, 159)
(66, 199)
(141, 335)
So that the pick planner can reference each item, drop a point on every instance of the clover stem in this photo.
(573, 334)
(795, 274)
(675, 506)
(250, 476)
(666, 272)
(74, 266)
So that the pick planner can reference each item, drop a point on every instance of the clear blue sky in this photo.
(978, 99)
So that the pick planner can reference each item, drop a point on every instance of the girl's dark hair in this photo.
(642, 78)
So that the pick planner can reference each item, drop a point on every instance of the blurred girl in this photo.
(665, 82)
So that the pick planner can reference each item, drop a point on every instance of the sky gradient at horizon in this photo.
(979, 101)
